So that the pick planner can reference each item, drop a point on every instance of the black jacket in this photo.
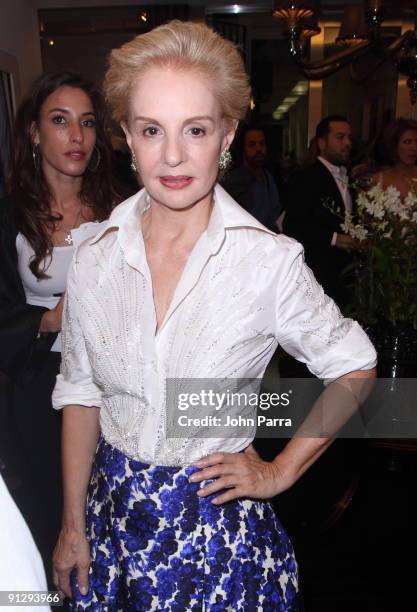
(21, 350)
(310, 222)
(240, 184)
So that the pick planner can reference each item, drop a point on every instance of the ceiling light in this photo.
(293, 9)
(353, 29)
(300, 89)
(290, 100)
(360, 33)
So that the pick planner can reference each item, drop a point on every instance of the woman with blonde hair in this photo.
(183, 285)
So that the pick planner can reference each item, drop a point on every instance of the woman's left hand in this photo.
(242, 474)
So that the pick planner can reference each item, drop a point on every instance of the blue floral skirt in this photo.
(156, 545)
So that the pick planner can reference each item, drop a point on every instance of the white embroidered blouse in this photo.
(243, 291)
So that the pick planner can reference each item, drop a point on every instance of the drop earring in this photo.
(133, 163)
(36, 157)
(225, 159)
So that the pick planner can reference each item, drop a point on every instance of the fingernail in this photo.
(83, 590)
(191, 478)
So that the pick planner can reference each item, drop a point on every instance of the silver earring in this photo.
(225, 159)
(93, 169)
(36, 157)
(133, 163)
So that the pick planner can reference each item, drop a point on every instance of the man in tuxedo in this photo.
(251, 184)
(308, 219)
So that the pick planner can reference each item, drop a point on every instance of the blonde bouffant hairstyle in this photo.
(181, 46)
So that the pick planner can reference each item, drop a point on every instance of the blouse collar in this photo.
(226, 214)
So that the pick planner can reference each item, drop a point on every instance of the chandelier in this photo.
(360, 34)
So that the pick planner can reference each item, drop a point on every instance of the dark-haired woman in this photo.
(399, 144)
(60, 188)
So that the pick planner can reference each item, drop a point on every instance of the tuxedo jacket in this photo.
(21, 350)
(309, 221)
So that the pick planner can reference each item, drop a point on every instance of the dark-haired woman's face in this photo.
(407, 148)
(66, 132)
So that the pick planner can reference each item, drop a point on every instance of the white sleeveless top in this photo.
(46, 292)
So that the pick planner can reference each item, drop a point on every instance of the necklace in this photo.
(68, 238)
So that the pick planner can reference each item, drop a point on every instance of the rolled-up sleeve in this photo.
(75, 384)
(311, 328)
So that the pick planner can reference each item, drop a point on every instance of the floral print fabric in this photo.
(156, 545)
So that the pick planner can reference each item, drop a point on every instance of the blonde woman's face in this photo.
(177, 134)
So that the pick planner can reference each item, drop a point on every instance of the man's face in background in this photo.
(337, 145)
(254, 149)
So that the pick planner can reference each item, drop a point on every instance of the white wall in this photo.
(19, 38)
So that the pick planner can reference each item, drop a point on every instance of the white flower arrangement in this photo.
(385, 225)
(380, 212)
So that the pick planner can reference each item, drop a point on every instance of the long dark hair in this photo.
(28, 187)
(392, 136)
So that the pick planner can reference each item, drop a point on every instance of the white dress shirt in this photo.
(243, 290)
(340, 175)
